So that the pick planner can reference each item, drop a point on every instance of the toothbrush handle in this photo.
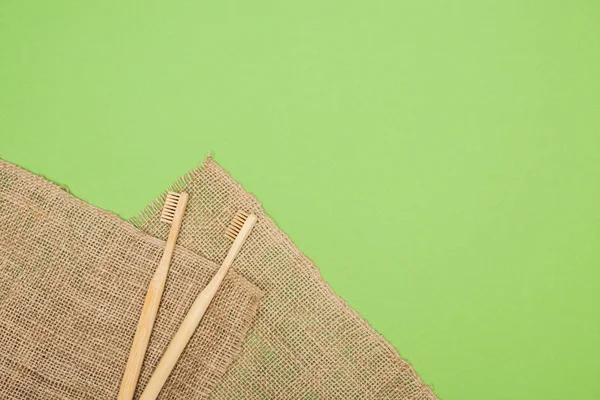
(193, 318)
(142, 333)
(182, 337)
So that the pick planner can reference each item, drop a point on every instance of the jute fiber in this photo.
(306, 342)
(72, 283)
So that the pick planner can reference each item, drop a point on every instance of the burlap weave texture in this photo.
(72, 283)
(306, 342)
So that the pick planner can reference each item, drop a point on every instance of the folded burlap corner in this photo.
(306, 342)
(72, 283)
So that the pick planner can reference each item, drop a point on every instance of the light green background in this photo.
(439, 161)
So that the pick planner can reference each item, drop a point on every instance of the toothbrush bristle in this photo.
(168, 211)
(236, 225)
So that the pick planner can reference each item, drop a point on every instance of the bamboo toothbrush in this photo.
(238, 231)
(172, 213)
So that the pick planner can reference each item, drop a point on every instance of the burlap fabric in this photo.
(72, 283)
(306, 342)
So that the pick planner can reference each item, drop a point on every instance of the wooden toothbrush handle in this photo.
(193, 318)
(143, 332)
(182, 337)
(150, 309)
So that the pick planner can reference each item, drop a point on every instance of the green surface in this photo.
(439, 161)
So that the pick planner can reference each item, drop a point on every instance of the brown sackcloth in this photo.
(72, 283)
(306, 342)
